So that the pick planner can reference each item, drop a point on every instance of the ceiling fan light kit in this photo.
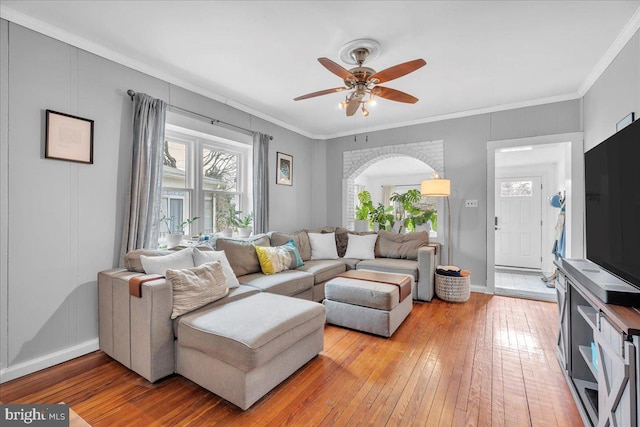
(362, 81)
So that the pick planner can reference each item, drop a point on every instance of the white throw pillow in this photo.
(323, 246)
(196, 287)
(160, 264)
(203, 257)
(361, 247)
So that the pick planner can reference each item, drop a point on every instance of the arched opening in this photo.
(385, 170)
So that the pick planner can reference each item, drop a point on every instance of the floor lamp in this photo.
(439, 187)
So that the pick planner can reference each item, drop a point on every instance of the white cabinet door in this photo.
(563, 320)
(616, 377)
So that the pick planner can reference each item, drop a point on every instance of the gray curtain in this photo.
(145, 185)
(260, 182)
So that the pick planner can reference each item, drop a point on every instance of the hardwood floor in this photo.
(488, 362)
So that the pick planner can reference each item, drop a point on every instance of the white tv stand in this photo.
(598, 346)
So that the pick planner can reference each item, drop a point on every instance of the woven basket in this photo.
(453, 289)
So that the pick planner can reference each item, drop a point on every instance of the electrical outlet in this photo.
(470, 203)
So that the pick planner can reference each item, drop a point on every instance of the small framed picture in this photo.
(68, 138)
(284, 169)
(628, 119)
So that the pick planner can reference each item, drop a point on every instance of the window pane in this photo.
(215, 205)
(175, 208)
(175, 155)
(516, 189)
(219, 170)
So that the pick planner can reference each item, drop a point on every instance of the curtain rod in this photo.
(403, 185)
(211, 120)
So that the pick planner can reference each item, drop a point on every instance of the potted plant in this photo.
(419, 219)
(403, 205)
(176, 230)
(243, 222)
(230, 220)
(362, 211)
(380, 217)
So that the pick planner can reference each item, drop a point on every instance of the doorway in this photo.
(522, 175)
(518, 222)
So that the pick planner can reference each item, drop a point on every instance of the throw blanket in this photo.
(403, 282)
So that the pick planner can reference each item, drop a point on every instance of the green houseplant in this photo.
(234, 219)
(175, 230)
(380, 217)
(362, 211)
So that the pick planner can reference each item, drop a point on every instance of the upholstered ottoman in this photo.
(243, 349)
(369, 301)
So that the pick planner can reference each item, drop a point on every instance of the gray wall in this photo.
(465, 145)
(61, 222)
(614, 95)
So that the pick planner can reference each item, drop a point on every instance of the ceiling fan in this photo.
(363, 81)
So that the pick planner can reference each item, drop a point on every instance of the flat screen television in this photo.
(612, 188)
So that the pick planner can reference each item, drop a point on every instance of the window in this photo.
(203, 176)
(516, 189)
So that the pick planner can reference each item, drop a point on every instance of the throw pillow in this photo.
(202, 257)
(323, 246)
(361, 247)
(404, 246)
(196, 287)
(160, 264)
(132, 261)
(274, 259)
(242, 253)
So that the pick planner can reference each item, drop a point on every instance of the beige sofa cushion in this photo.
(323, 269)
(391, 265)
(249, 332)
(288, 282)
(132, 261)
(242, 253)
(300, 238)
(196, 287)
(405, 246)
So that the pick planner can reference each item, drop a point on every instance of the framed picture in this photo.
(68, 138)
(284, 169)
(628, 119)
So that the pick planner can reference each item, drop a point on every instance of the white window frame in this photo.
(196, 142)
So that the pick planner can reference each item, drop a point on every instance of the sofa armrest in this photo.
(152, 346)
(427, 261)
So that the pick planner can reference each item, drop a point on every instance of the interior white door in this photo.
(518, 222)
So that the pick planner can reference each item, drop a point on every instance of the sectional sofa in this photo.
(244, 344)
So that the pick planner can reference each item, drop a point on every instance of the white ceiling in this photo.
(258, 55)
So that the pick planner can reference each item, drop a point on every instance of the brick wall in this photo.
(356, 161)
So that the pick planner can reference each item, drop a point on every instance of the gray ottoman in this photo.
(366, 305)
(244, 348)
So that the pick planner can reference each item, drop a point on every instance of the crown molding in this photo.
(100, 50)
(466, 113)
(616, 47)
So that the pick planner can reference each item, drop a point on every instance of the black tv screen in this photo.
(612, 187)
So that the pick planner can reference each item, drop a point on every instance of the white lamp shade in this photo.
(436, 187)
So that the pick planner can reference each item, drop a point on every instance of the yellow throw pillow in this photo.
(278, 258)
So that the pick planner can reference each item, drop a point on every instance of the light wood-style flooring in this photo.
(488, 362)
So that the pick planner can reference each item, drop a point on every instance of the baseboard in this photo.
(479, 289)
(48, 360)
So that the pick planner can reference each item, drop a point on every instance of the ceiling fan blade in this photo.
(393, 95)
(397, 71)
(336, 69)
(320, 92)
(352, 107)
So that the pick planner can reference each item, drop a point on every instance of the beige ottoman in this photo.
(244, 348)
(373, 306)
